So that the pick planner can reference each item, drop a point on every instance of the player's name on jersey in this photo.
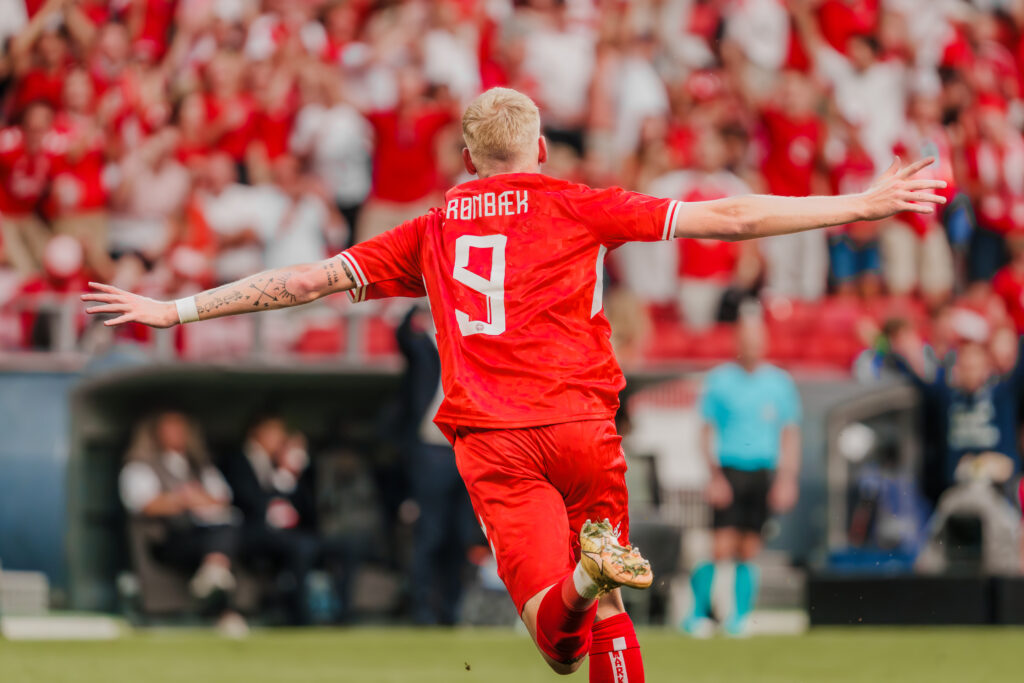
(487, 204)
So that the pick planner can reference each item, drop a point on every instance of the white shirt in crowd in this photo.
(261, 42)
(338, 140)
(139, 485)
(640, 94)
(449, 61)
(13, 18)
(142, 224)
(761, 29)
(562, 65)
(295, 230)
(874, 99)
(230, 212)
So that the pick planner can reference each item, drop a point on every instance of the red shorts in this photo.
(533, 488)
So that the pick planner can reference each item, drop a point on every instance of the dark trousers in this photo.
(185, 547)
(445, 528)
(291, 554)
(986, 254)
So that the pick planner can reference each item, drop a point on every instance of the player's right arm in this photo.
(387, 265)
(271, 289)
(754, 216)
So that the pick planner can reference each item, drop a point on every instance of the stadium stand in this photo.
(183, 143)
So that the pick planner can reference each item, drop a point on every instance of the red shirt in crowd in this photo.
(842, 19)
(1009, 285)
(997, 173)
(78, 177)
(513, 268)
(404, 160)
(154, 36)
(793, 147)
(25, 176)
(39, 85)
(854, 173)
(273, 129)
(241, 118)
(707, 259)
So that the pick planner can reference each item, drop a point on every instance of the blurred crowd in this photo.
(170, 145)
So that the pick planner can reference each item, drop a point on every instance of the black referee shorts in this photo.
(748, 510)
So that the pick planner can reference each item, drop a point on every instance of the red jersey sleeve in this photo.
(616, 216)
(389, 264)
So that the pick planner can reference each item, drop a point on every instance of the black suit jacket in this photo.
(253, 500)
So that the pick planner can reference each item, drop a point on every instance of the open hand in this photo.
(132, 307)
(897, 190)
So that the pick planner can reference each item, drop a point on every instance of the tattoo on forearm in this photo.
(219, 298)
(261, 291)
(333, 276)
(348, 272)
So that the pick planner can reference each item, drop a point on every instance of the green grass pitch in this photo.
(937, 655)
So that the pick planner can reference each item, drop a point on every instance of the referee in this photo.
(750, 439)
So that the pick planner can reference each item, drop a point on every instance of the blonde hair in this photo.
(501, 125)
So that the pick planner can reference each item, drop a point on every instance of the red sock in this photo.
(615, 652)
(564, 622)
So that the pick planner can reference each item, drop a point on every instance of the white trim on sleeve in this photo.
(357, 293)
(670, 221)
(357, 272)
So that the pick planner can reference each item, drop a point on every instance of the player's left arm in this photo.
(754, 216)
(269, 290)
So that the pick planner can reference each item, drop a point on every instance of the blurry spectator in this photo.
(405, 176)
(29, 155)
(558, 59)
(996, 180)
(336, 140)
(637, 95)
(450, 47)
(869, 90)
(78, 197)
(193, 136)
(40, 56)
(234, 215)
(284, 26)
(276, 101)
(53, 295)
(709, 268)
(977, 399)
(297, 218)
(271, 482)
(761, 30)
(169, 485)
(230, 109)
(915, 252)
(750, 441)
(793, 166)
(446, 525)
(853, 249)
(1009, 281)
(147, 199)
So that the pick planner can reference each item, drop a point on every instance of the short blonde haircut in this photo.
(501, 125)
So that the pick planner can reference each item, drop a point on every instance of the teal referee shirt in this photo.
(748, 411)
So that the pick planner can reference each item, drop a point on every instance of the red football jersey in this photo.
(513, 267)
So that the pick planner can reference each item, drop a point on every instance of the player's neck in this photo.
(508, 170)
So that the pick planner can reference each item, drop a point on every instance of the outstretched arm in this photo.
(750, 217)
(271, 289)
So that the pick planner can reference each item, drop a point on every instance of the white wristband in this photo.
(187, 311)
